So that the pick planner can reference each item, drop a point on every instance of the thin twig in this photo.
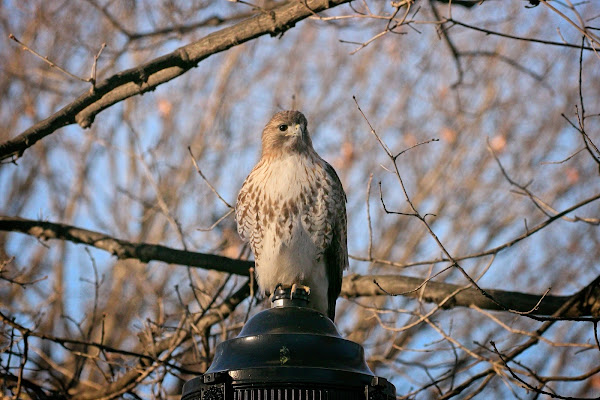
(416, 289)
(46, 59)
(497, 249)
(455, 53)
(24, 357)
(206, 180)
(217, 222)
(582, 124)
(526, 384)
(454, 262)
(583, 30)
(92, 78)
(413, 146)
(389, 211)
(387, 150)
(565, 160)
(489, 32)
(368, 195)
(513, 182)
(596, 334)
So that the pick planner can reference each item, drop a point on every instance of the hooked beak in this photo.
(295, 130)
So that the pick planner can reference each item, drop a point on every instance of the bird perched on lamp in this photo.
(291, 209)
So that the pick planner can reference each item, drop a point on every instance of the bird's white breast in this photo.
(285, 177)
(288, 253)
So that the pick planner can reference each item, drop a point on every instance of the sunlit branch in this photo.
(123, 249)
(147, 77)
(352, 286)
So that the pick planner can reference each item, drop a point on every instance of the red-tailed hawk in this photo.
(292, 211)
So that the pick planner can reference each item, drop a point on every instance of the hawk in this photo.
(291, 209)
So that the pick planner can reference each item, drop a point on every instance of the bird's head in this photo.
(286, 132)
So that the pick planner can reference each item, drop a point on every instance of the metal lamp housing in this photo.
(288, 352)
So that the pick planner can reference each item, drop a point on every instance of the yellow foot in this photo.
(295, 287)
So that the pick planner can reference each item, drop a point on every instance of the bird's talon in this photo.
(296, 286)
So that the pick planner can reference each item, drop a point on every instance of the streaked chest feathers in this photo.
(288, 197)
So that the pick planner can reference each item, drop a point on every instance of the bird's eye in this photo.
(283, 127)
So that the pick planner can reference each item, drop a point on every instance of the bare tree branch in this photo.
(435, 292)
(148, 76)
(353, 285)
(533, 40)
(504, 246)
(169, 344)
(123, 249)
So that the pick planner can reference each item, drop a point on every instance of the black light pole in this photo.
(289, 352)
